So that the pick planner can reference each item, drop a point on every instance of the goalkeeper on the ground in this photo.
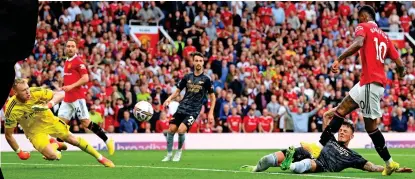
(30, 107)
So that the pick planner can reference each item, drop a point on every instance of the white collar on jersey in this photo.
(373, 22)
(70, 59)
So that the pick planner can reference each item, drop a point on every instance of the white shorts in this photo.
(69, 110)
(368, 98)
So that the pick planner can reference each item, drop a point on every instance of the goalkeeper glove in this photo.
(22, 155)
(38, 107)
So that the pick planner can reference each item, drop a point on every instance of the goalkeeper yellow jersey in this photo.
(31, 121)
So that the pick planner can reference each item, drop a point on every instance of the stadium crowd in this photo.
(261, 57)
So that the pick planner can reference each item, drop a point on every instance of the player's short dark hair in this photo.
(197, 54)
(369, 10)
(349, 123)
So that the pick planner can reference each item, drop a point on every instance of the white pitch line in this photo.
(398, 155)
(192, 169)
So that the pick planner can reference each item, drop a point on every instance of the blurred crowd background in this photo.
(269, 62)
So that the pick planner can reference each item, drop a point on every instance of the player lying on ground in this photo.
(197, 85)
(373, 46)
(30, 107)
(76, 75)
(335, 157)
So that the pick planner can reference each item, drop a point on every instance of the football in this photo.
(143, 111)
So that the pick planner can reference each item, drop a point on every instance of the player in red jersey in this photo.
(76, 75)
(374, 46)
(266, 122)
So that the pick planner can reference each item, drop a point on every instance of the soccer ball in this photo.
(143, 111)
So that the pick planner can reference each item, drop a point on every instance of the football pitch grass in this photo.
(198, 164)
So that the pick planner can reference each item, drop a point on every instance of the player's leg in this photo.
(61, 131)
(65, 113)
(88, 148)
(83, 115)
(181, 138)
(170, 135)
(41, 143)
(371, 112)
(183, 128)
(303, 166)
(267, 161)
(348, 104)
(61, 145)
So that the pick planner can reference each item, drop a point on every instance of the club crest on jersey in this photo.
(358, 28)
(69, 65)
(201, 82)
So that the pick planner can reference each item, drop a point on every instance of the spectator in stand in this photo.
(411, 10)
(360, 124)
(383, 20)
(301, 119)
(400, 121)
(226, 113)
(265, 122)
(411, 124)
(250, 122)
(128, 124)
(234, 122)
(278, 14)
(394, 21)
(157, 13)
(162, 124)
(95, 116)
(293, 21)
(262, 98)
(406, 21)
(273, 107)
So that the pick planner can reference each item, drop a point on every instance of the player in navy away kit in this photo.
(373, 46)
(334, 157)
(197, 85)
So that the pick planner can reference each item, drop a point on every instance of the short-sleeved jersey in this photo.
(197, 88)
(22, 113)
(336, 157)
(234, 121)
(266, 122)
(376, 47)
(73, 70)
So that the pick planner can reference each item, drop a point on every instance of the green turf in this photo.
(195, 164)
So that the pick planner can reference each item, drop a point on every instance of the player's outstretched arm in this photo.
(327, 116)
(57, 98)
(370, 167)
(13, 144)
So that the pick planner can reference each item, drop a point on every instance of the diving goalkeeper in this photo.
(30, 107)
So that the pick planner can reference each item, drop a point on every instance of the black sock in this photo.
(332, 128)
(59, 140)
(98, 131)
(380, 146)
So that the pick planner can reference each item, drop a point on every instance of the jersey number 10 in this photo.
(379, 47)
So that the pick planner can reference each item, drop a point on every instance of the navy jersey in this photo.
(197, 87)
(336, 157)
